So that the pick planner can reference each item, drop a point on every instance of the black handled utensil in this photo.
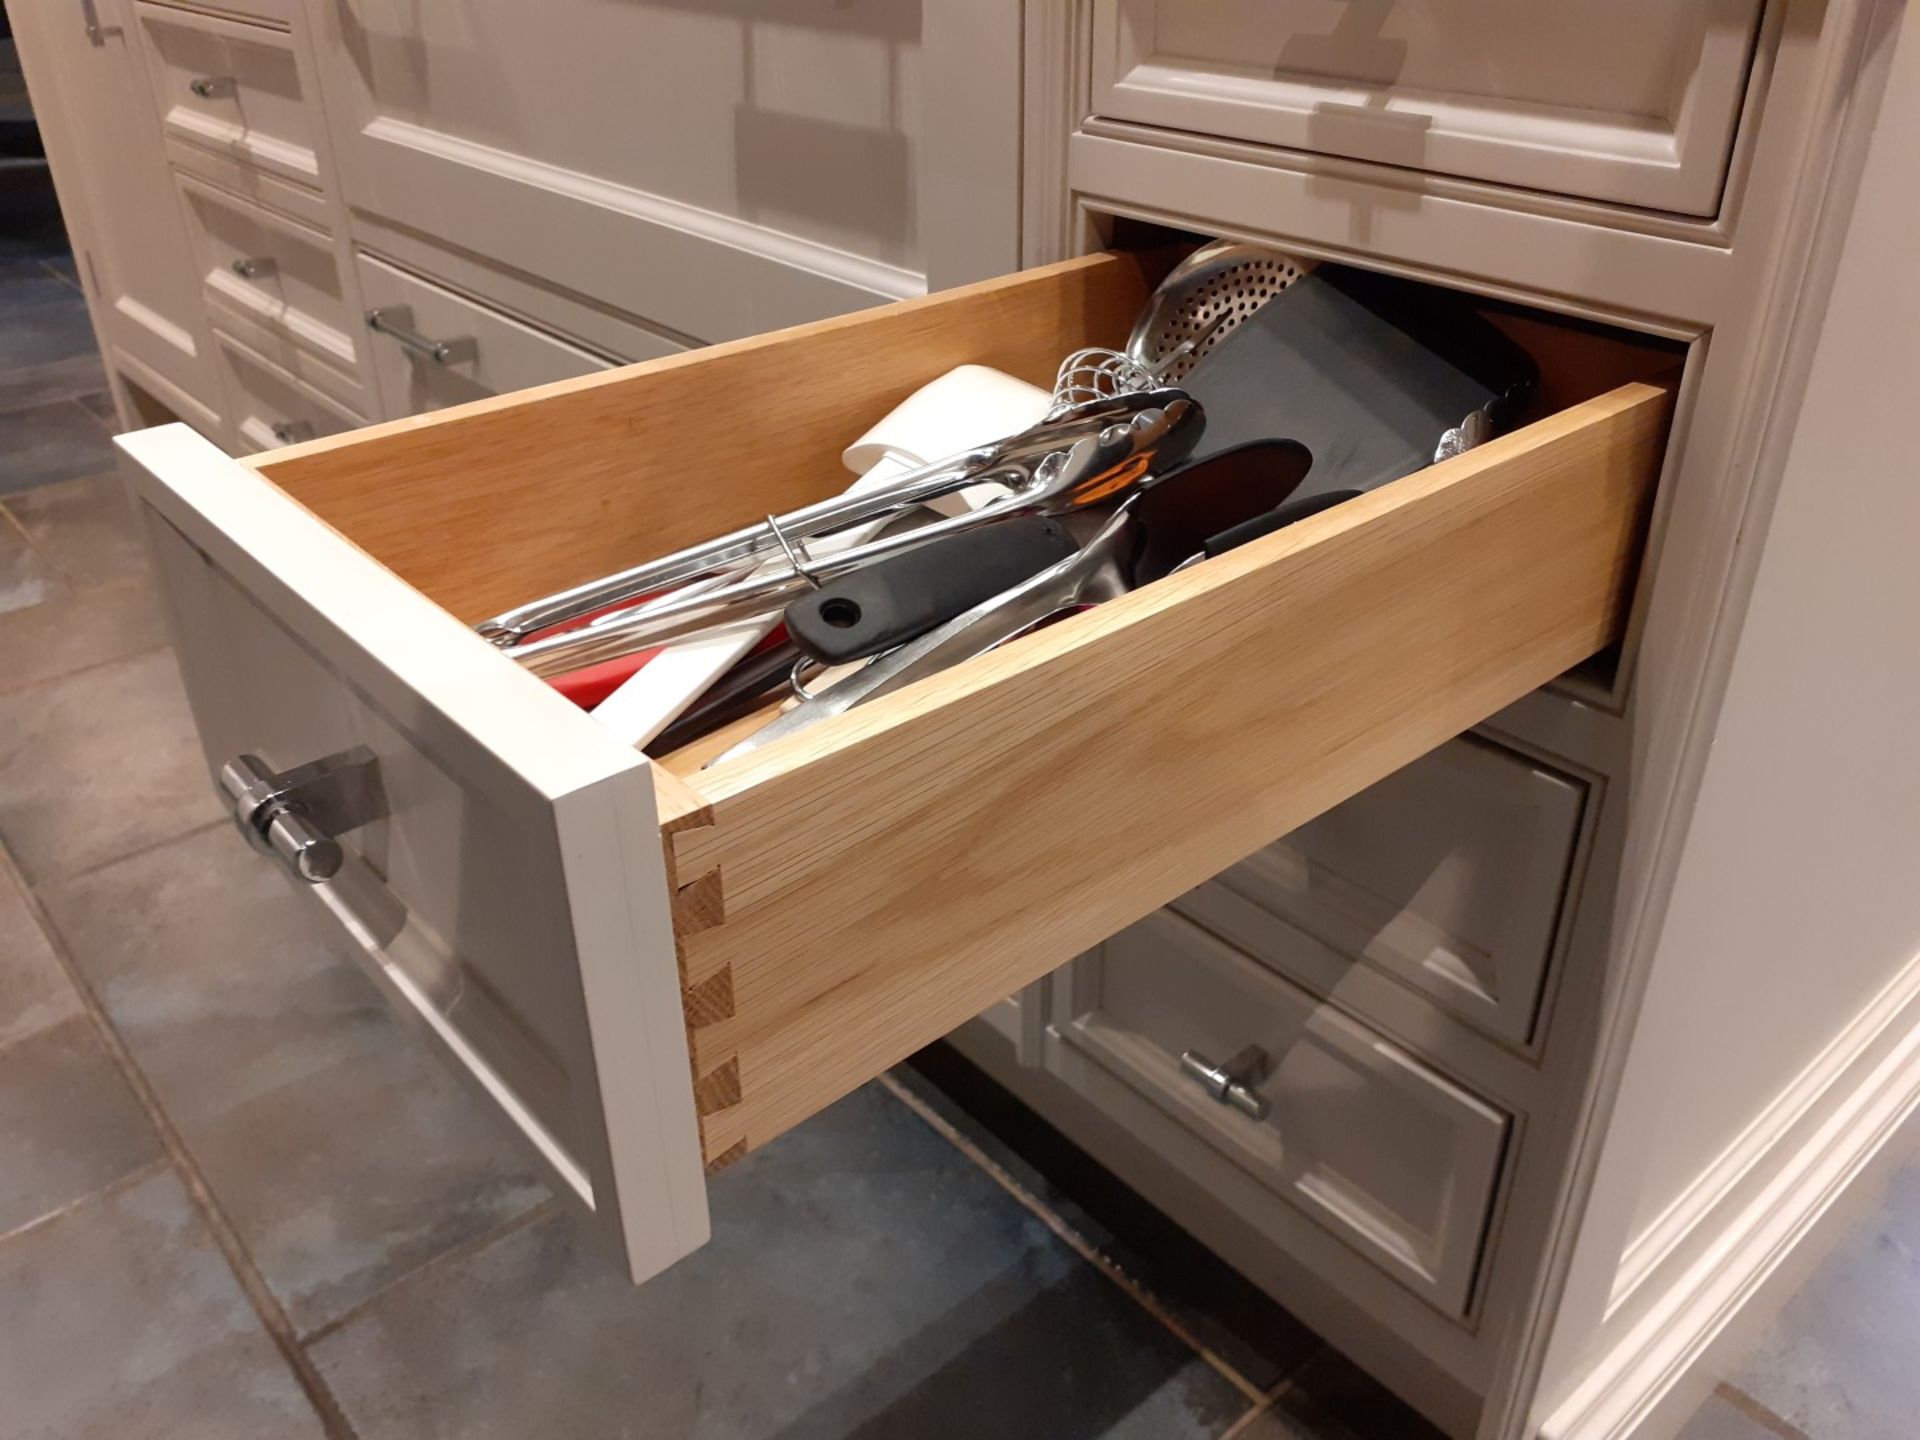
(892, 601)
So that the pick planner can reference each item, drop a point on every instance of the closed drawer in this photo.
(1448, 875)
(433, 348)
(269, 271)
(1380, 1150)
(655, 968)
(233, 89)
(269, 408)
(1631, 102)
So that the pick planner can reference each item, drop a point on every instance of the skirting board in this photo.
(1822, 1137)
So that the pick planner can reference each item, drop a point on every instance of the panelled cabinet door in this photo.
(1381, 1151)
(1633, 101)
(733, 173)
(86, 58)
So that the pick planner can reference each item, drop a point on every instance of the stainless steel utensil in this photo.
(1203, 299)
(1155, 532)
(1098, 467)
(1011, 461)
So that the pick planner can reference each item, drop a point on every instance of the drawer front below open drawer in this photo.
(1379, 1150)
(580, 921)
(1449, 875)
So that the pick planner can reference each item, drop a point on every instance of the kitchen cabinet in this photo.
(1404, 785)
(87, 76)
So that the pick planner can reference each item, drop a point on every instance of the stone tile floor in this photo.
(238, 1198)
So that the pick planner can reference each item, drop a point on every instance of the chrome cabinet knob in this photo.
(251, 267)
(289, 431)
(1232, 1083)
(207, 86)
(296, 814)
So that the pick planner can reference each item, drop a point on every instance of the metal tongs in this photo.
(1075, 458)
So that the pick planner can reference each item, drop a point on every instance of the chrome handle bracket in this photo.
(208, 86)
(297, 814)
(1233, 1083)
(252, 267)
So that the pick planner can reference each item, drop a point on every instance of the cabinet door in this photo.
(90, 86)
(715, 171)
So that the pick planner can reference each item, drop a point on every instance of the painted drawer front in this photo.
(1381, 1151)
(270, 407)
(272, 272)
(1633, 101)
(233, 89)
(1449, 875)
(486, 352)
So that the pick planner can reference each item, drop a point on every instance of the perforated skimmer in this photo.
(1204, 299)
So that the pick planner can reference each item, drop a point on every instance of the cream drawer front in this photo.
(269, 407)
(578, 923)
(1381, 1151)
(1633, 101)
(1449, 875)
(233, 89)
(433, 348)
(271, 272)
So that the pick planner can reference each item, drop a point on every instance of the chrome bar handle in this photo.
(287, 432)
(90, 19)
(251, 267)
(1232, 1083)
(296, 814)
(441, 352)
(208, 86)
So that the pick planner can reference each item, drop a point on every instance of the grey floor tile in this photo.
(864, 1280)
(342, 1150)
(27, 578)
(57, 329)
(73, 630)
(40, 444)
(122, 1319)
(34, 991)
(68, 1123)
(85, 527)
(1221, 1308)
(1722, 1419)
(1333, 1399)
(64, 267)
(99, 764)
(69, 379)
(24, 286)
(99, 404)
(1840, 1358)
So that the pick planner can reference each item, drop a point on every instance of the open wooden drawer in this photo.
(654, 968)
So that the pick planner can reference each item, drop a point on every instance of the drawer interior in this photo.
(854, 892)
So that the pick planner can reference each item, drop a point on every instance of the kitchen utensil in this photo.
(1149, 536)
(1202, 300)
(1013, 461)
(1377, 376)
(891, 601)
(738, 693)
(1097, 468)
(965, 407)
(674, 677)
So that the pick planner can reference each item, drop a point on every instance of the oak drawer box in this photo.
(652, 967)
(1633, 101)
